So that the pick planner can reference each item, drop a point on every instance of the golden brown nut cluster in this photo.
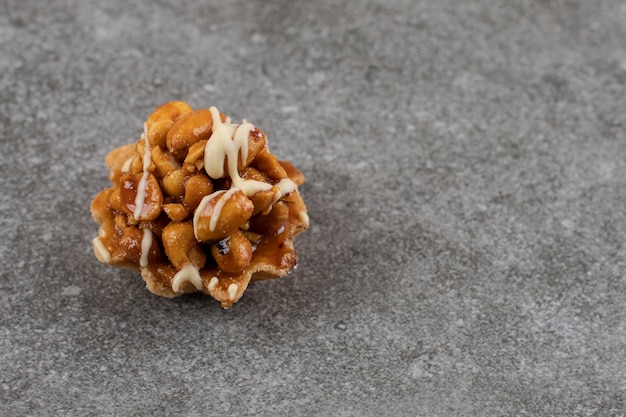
(199, 204)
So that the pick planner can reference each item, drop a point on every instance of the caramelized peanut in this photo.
(162, 119)
(181, 247)
(251, 173)
(196, 188)
(106, 248)
(136, 165)
(153, 199)
(267, 163)
(257, 141)
(189, 129)
(196, 153)
(263, 200)
(164, 162)
(273, 223)
(125, 245)
(100, 210)
(293, 173)
(130, 243)
(121, 221)
(222, 214)
(176, 211)
(233, 253)
(115, 200)
(174, 182)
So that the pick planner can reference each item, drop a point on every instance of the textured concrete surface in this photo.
(467, 193)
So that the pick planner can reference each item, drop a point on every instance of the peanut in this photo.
(196, 188)
(263, 200)
(176, 212)
(121, 221)
(273, 223)
(251, 173)
(129, 246)
(293, 173)
(233, 253)
(115, 200)
(100, 206)
(136, 165)
(162, 119)
(174, 182)
(181, 247)
(153, 199)
(196, 153)
(267, 163)
(164, 162)
(235, 211)
(257, 142)
(130, 243)
(189, 129)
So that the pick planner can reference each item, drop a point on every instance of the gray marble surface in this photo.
(466, 167)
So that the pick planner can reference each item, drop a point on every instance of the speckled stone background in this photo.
(466, 167)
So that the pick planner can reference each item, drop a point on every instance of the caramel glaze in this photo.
(273, 255)
(130, 234)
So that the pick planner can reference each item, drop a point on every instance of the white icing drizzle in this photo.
(224, 146)
(213, 283)
(232, 291)
(101, 250)
(189, 273)
(286, 186)
(146, 244)
(143, 183)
